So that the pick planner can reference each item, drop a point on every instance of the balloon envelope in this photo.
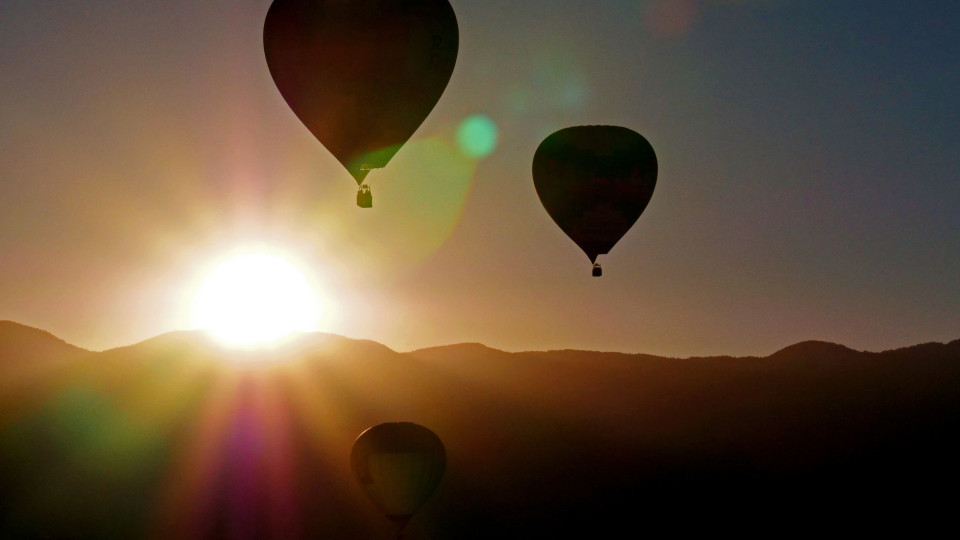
(398, 465)
(595, 181)
(362, 75)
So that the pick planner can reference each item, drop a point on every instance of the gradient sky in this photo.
(808, 187)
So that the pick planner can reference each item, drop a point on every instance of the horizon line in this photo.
(299, 335)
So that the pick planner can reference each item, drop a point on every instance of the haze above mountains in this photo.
(177, 437)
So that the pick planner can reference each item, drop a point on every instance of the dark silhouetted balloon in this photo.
(362, 75)
(398, 465)
(595, 181)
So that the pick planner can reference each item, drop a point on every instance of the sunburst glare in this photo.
(258, 298)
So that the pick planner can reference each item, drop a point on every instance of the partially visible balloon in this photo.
(361, 75)
(398, 465)
(595, 181)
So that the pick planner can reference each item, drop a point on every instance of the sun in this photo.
(257, 298)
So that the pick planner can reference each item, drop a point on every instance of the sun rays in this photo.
(257, 298)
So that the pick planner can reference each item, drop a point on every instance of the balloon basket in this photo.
(597, 271)
(364, 197)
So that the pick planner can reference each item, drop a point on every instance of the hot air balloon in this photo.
(362, 75)
(595, 181)
(398, 465)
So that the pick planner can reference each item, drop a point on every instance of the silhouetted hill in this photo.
(198, 343)
(30, 359)
(460, 352)
(820, 350)
(23, 344)
(456, 348)
(178, 437)
(928, 350)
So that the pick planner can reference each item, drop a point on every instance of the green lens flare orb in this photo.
(477, 136)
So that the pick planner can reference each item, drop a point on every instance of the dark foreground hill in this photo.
(178, 438)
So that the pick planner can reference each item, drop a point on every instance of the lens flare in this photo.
(477, 136)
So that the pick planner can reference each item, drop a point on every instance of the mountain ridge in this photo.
(554, 443)
(11, 330)
(31, 344)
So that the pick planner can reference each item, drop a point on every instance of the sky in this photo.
(808, 184)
